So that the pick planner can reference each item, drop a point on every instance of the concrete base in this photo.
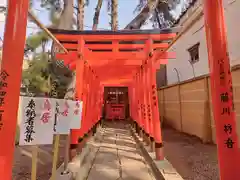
(163, 170)
(61, 175)
(79, 167)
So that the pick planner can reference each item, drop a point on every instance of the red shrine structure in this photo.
(120, 59)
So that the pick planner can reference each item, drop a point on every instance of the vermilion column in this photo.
(149, 107)
(84, 99)
(10, 75)
(96, 100)
(99, 102)
(76, 133)
(156, 115)
(222, 91)
(134, 101)
(90, 96)
(141, 98)
(133, 110)
(148, 110)
(88, 92)
(139, 101)
(149, 51)
(146, 123)
(130, 98)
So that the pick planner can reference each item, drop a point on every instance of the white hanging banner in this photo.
(76, 114)
(36, 120)
(63, 117)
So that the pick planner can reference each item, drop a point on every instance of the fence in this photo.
(187, 106)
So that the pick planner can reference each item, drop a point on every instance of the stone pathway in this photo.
(118, 157)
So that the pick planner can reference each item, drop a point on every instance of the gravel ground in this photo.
(191, 158)
(22, 161)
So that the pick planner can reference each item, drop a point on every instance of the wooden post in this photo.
(55, 156)
(34, 162)
(77, 133)
(148, 67)
(145, 91)
(156, 117)
(140, 108)
(10, 75)
(222, 91)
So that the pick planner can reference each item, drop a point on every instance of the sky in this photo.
(125, 15)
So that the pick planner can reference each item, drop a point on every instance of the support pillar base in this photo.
(146, 139)
(152, 144)
(141, 134)
(159, 151)
(73, 151)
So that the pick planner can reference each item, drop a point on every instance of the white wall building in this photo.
(196, 35)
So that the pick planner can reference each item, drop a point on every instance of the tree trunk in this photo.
(96, 15)
(81, 14)
(139, 20)
(66, 23)
(67, 15)
(114, 15)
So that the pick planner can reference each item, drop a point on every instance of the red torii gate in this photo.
(114, 57)
(221, 85)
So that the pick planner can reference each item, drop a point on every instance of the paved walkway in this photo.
(118, 157)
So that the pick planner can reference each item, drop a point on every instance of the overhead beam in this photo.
(74, 38)
(114, 56)
(74, 46)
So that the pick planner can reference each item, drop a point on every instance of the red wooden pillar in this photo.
(76, 133)
(147, 129)
(96, 100)
(222, 91)
(130, 92)
(88, 115)
(88, 99)
(132, 106)
(84, 99)
(94, 103)
(101, 100)
(149, 109)
(134, 102)
(156, 115)
(133, 98)
(149, 51)
(148, 101)
(139, 101)
(141, 98)
(11, 73)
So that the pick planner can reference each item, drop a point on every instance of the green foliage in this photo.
(36, 40)
(36, 76)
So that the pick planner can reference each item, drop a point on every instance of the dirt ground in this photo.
(22, 161)
(192, 159)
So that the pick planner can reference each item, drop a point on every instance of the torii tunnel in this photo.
(112, 59)
(121, 59)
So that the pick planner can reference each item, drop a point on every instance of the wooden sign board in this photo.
(36, 119)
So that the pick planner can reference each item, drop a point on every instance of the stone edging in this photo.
(81, 164)
(163, 170)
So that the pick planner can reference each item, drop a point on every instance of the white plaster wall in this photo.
(197, 34)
